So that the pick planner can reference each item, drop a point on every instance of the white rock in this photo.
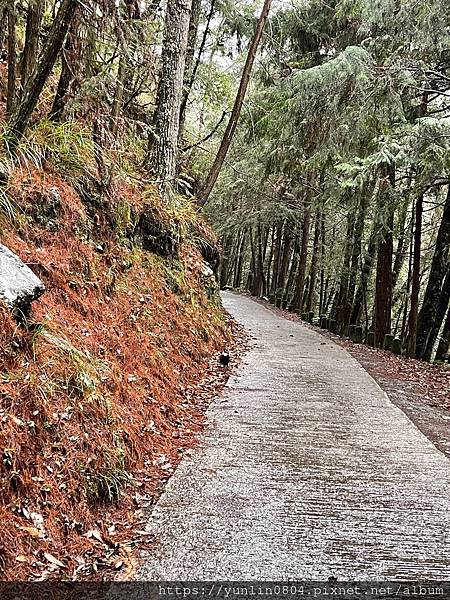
(19, 286)
(207, 271)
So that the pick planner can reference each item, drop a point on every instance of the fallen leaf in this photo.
(38, 520)
(32, 531)
(53, 560)
(21, 558)
(95, 533)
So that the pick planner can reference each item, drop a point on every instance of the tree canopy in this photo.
(316, 134)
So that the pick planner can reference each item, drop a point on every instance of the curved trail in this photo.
(307, 471)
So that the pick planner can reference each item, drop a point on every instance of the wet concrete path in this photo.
(307, 471)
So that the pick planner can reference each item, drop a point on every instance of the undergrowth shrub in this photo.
(66, 146)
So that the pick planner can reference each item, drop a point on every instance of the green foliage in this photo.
(65, 145)
(105, 486)
(347, 120)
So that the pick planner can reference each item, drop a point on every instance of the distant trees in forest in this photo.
(335, 200)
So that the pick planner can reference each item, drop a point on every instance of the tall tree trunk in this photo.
(3, 19)
(227, 246)
(285, 257)
(314, 262)
(126, 90)
(187, 88)
(383, 291)
(238, 271)
(251, 272)
(71, 68)
(290, 285)
(366, 270)
(235, 113)
(163, 146)
(118, 96)
(276, 261)
(30, 51)
(409, 277)
(20, 118)
(444, 342)
(330, 284)
(269, 262)
(331, 297)
(322, 263)
(428, 325)
(356, 256)
(415, 288)
(343, 303)
(300, 283)
(401, 244)
(189, 66)
(12, 58)
(259, 278)
(440, 311)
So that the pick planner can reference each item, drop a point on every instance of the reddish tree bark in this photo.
(383, 291)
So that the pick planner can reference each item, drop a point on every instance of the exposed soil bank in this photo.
(106, 389)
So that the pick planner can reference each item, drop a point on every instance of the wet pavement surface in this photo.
(307, 471)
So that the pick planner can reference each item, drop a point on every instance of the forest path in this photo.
(307, 471)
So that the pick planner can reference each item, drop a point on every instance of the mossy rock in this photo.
(209, 251)
(305, 316)
(332, 325)
(310, 316)
(210, 284)
(388, 341)
(359, 334)
(397, 346)
(371, 339)
(156, 236)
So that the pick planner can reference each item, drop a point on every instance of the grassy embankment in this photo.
(97, 399)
